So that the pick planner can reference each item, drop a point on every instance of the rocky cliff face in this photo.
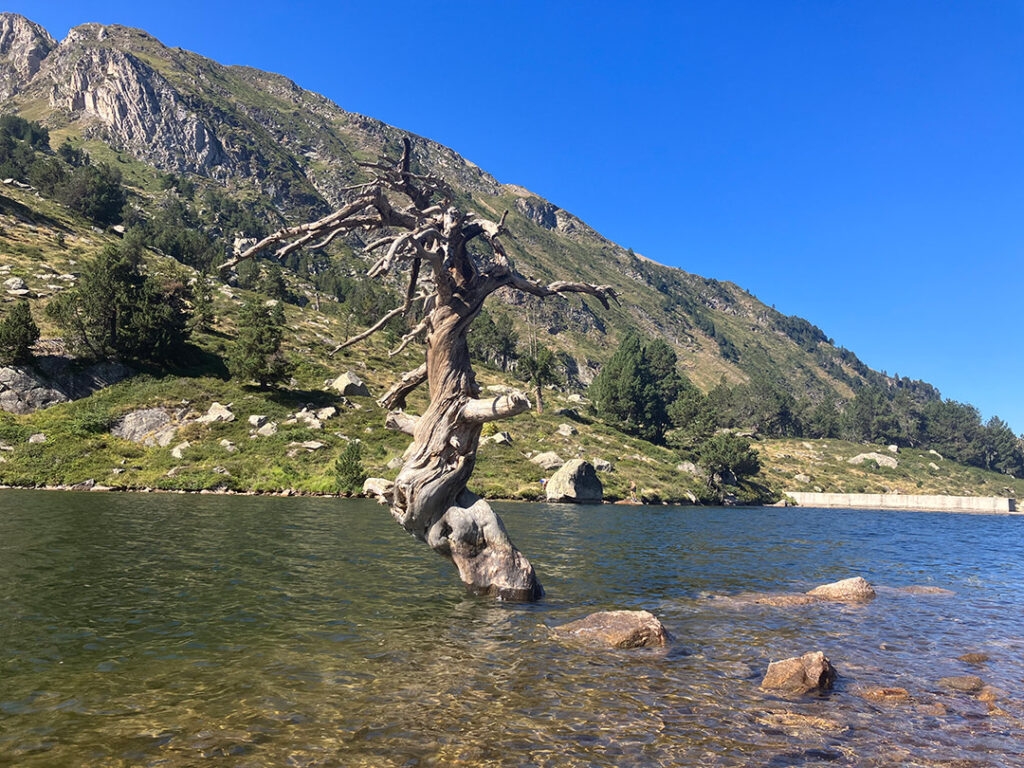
(23, 46)
(125, 100)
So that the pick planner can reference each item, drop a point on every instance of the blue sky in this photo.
(858, 164)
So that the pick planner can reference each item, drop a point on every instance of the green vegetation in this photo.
(539, 370)
(256, 354)
(349, 468)
(18, 332)
(117, 311)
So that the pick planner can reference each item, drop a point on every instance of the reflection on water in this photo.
(171, 630)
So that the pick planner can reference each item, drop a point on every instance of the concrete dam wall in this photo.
(981, 504)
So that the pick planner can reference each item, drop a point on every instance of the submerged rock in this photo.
(964, 683)
(917, 589)
(855, 589)
(885, 695)
(617, 629)
(576, 481)
(800, 674)
(974, 658)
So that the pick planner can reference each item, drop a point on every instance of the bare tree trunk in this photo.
(430, 498)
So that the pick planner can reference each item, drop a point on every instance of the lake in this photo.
(177, 630)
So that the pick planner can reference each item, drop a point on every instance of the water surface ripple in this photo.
(176, 630)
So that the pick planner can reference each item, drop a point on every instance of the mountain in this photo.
(290, 153)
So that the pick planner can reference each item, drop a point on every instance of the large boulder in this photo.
(548, 460)
(879, 458)
(379, 487)
(350, 385)
(618, 629)
(800, 674)
(576, 481)
(148, 426)
(854, 590)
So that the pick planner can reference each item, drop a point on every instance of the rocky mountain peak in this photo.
(23, 46)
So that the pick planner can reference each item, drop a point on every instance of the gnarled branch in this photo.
(477, 411)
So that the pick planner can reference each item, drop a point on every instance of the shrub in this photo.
(18, 332)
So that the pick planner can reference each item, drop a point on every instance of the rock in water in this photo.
(965, 683)
(350, 385)
(856, 589)
(618, 629)
(548, 460)
(576, 481)
(812, 671)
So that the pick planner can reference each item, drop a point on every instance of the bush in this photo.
(348, 468)
(726, 454)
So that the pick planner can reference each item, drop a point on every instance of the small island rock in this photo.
(618, 629)
(800, 674)
(856, 589)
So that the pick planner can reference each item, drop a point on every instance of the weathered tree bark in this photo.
(430, 498)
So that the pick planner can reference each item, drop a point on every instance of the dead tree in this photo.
(417, 226)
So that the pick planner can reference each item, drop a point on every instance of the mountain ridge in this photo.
(264, 138)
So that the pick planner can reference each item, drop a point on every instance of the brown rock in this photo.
(965, 683)
(800, 674)
(936, 708)
(974, 658)
(855, 589)
(883, 695)
(618, 629)
(784, 601)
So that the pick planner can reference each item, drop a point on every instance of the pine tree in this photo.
(627, 394)
(202, 305)
(18, 332)
(348, 468)
(539, 370)
(256, 355)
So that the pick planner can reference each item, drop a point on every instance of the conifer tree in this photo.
(256, 355)
(18, 332)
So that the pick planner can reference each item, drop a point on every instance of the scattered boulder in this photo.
(963, 683)
(689, 467)
(180, 449)
(548, 460)
(800, 674)
(602, 465)
(267, 430)
(257, 421)
(575, 398)
(802, 478)
(617, 629)
(933, 466)
(576, 481)
(570, 413)
(880, 459)
(395, 463)
(307, 417)
(217, 412)
(15, 284)
(350, 385)
(567, 430)
(935, 453)
(228, 446)
(148, 426)
(326, 413)
(38, 437)
(893, 448)
(379, 487)
(499, 438)
(855, 589)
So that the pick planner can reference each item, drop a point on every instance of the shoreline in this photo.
(292, 492)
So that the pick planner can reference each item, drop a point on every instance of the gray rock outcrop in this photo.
(53, 380)
(575, 481)
(148, 426)
(216, 412)
(350, 385)
(617, 629)
(800, 674)
(24, 391)
(23, 46)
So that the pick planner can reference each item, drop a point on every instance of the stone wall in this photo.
(984, 504)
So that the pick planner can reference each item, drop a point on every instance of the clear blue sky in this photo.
(858, 164)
